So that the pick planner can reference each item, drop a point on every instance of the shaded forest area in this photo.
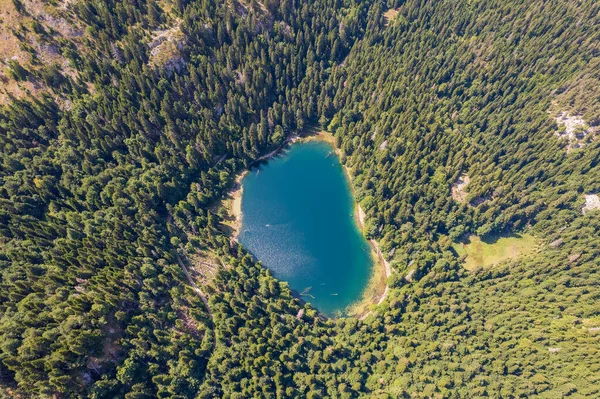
(108, 179)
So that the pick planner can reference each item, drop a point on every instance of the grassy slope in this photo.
(492, 252)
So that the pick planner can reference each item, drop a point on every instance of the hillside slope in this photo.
(111, 173)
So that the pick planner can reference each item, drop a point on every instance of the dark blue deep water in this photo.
(298, 219)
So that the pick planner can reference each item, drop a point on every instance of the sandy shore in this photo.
(377, 288)
(234, 205)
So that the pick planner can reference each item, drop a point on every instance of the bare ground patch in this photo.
(166, 49)
(575, 130)
(459, 188)
(592, 202)
(232, 222)
(30, 37)
(389, 15)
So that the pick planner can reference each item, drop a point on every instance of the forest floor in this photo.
(575, 130)
(19, 42)
(479, 253)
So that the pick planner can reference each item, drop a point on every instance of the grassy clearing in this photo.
(494, 251)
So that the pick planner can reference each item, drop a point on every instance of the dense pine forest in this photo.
(123, 125)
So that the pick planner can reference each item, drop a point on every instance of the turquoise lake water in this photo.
(298, 219)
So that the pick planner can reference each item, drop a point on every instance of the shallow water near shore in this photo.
(298, 219)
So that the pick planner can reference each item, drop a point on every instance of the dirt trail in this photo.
(360, 217)
(202, 297)
(194, 286)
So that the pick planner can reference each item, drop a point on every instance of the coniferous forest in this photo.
(123, 124)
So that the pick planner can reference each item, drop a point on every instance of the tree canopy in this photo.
(116, 280)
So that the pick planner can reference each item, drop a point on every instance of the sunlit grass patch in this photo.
(477, 252)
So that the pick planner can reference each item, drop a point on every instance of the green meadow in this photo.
(486, 253)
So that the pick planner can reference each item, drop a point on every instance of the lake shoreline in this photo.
(233, 198)
(377, 289)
